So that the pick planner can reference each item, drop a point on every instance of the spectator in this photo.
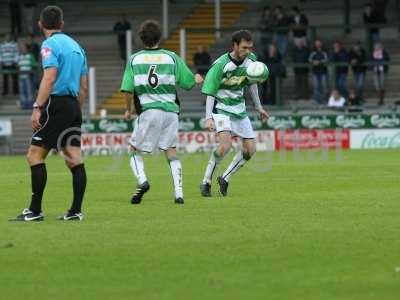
(15, 13)
(300, 56)
(120, 28)
(357, 58)
(353, 99)
(273, 60)
(371, 19)
(336, 100)
(266, 25)
(379, 7)
(202, 60)
(380, 68)
(318, 59)
(26, 65)
(299, 23)
(34, 49)
(8, 61)
(281, 33)
(341, 57)
(29, 15)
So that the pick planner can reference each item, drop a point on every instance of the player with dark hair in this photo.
(226, 110)
(151, 77)
(57, 117)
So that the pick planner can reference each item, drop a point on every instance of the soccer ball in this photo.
(257, 72)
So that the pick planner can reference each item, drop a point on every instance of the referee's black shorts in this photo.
(61, 122)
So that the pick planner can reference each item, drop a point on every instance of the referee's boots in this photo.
(71, 216)
(28, 216)
(141, 189)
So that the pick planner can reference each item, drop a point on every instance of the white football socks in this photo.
(237, 162)
(211, 167)
(176, 172)
(137, 166)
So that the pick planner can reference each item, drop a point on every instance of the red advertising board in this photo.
(312, 139)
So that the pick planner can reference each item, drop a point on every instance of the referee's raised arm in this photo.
(57, 115)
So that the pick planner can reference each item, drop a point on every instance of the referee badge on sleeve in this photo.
(46, 52)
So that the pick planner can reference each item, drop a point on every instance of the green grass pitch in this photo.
(294, 226)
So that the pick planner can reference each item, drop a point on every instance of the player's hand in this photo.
(198, 78)
(36, 113)
(128, 115)
(263, 114)
(210, 124)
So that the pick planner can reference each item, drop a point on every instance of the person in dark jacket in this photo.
(318, 60)
(120, 28)
(357, 59)
(266, 24)
(202, 60)
(372, 20)
(300, 56)
(380, 58)
(273, 60)
(281, 33)
(341, 57)
(298, 23)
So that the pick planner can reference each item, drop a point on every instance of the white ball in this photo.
(257, 71)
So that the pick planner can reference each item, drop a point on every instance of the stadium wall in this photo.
(111, 136)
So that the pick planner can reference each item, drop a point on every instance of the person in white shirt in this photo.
(336, 100)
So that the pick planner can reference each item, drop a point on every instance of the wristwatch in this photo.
(37, 106)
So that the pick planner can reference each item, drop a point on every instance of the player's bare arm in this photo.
(83, 90)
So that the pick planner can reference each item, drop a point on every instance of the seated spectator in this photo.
(266, 25)
(318, 60)
(353, 99)
(26, 65)
(340, 56)
(300, 56)
(120, 28)
(8, 62)
(298, 24)
(357, 59)
(202, 60)
(281, 32)
(336, 100)
(380, 59)
(277, 72)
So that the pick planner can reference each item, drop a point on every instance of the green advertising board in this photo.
(354, 121)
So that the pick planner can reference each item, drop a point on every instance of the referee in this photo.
(57, 117)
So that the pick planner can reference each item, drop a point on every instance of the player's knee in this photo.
(33, 157)
(247, 155)
(224, 148)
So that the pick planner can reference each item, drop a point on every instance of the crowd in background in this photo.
(311, 59)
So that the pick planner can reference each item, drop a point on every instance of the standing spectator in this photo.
(15, 13)
(29, 15)
(336, 100)
(266, 25)
(353, 99)
(120, 28)
(341, 57)
(202, 60)
(299, 23)
(371, 19)
(281, 33)
(300, 56)
(26, 65)
(34, 48)
(318, 59)
(357, 58)
(8, 62)
(273, 60)
(380, 68)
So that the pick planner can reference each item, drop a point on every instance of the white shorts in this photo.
(155, 128)
(238, 127)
